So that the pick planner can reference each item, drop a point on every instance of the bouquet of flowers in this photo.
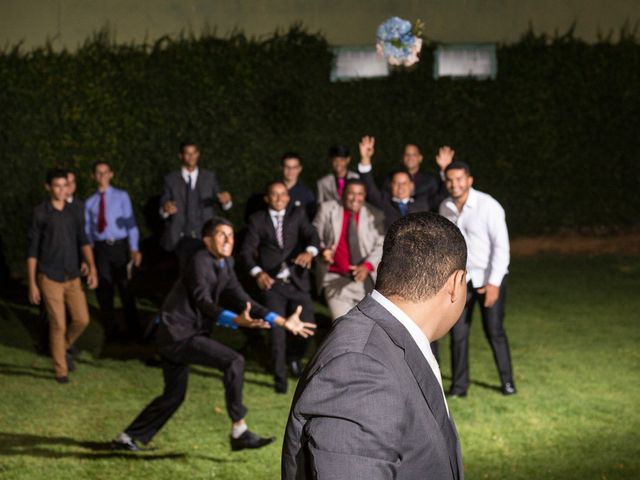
(399, 41)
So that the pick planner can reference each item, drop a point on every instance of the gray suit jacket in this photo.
(369, 407)
(175, 189)
(328, 223)
(327, 188)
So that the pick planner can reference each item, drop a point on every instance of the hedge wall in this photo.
(554, 138)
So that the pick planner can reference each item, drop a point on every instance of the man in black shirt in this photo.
(56, 238)
(299, 194)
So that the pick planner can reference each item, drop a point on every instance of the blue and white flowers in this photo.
(399, 42)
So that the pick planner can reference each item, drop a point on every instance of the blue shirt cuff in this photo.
(270, 318)
(226, 319)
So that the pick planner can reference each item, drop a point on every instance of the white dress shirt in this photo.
(483, 225)
(418, 336)
(284, 272)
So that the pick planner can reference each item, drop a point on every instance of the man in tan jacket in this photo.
(351, 237)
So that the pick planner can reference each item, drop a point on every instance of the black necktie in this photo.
(355, 256)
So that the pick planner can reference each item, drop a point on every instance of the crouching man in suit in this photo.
(351, 235)
(188, 313)
(278, 250)
(371, 403)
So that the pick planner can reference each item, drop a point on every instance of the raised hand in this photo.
(444, 156)
(297, 326)
(367, 149)
(245, 320)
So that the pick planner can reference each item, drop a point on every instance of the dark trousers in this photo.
(283, 298)
(111, 262)
(185, 249)
(176, 358)
(492, 319)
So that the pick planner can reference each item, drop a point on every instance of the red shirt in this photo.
(341, 260)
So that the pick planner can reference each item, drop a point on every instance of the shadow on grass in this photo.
(23, 444)
(478, 383)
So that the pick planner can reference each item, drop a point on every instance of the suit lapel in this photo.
(424, 376)
(337, 215)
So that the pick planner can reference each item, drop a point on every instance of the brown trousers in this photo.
(56, 295)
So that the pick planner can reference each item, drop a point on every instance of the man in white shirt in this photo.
(481, 220)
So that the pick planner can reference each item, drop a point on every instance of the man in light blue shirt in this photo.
(111, 229)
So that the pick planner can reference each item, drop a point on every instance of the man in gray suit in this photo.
(187, 202)
(351, 236)
(331, 186)
(370, 404)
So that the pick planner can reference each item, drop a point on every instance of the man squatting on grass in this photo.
(187, 316)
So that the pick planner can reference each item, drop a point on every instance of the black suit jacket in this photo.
(175, 189)
(199, 296)
(428, 187)
(260, 247)
(384, 202)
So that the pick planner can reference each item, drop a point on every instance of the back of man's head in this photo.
(420, 252)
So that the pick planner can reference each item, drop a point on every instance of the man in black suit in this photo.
(187, 202)
(398, 200)
(188, 313)
(426, 185)
(278, 250)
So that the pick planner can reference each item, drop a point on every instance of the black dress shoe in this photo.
(71, 365)
(126, 444)
(249, 440)
(295, 368)
(508, 389)
(281, 388)
(62, 380)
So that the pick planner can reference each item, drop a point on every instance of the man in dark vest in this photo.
(187, 202)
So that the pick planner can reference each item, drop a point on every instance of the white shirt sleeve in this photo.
(312, 250)
(500, 255)
(364, 168)
(255, 271)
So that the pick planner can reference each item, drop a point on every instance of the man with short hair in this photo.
(187, 202)
(482, 222)
(331, 186)
(370, 404)
(56, 237)
(300, 195)
(398, 200)
(426, 186)
(351, 236)
(207, 292)
(278, 251)
(111, 228)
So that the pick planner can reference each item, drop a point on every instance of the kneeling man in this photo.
(370, 403)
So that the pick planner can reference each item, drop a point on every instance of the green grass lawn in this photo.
(573, 324)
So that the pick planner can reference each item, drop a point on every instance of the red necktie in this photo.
(102, 216)
(340, 186)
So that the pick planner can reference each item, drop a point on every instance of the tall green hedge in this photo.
(555, 138)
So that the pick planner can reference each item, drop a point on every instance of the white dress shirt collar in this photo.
(193, 174)
(274, 213)
(418, 335)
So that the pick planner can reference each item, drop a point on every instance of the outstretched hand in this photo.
(297, 326)
(245, 320)
(367, 149)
